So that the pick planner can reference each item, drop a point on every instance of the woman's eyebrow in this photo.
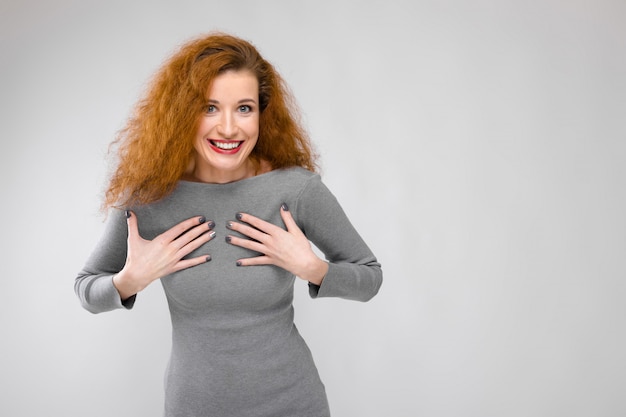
(243, 100)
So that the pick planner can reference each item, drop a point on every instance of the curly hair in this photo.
(156, 145)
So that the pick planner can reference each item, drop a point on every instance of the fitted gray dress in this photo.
(235, 348)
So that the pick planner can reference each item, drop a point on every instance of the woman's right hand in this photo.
(149, 260)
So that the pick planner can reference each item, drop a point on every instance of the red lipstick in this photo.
(227, 147)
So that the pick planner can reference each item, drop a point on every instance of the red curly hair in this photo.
(156, 145)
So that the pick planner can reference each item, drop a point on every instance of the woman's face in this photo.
(228, 129)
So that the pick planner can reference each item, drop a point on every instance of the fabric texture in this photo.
(235, 348)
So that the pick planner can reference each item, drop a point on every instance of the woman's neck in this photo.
(253, 168)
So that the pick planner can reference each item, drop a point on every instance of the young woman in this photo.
(214, 150)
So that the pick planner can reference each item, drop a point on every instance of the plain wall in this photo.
(478, 146)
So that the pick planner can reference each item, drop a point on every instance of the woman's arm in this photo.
(351, 270)
(123, 263)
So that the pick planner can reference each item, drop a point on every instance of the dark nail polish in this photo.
(238, 216)
(211, 224)
(229, 225)
(227, 239)
(127, 214)
(202, 219)
(284, 206)
(208, 258)
(212, 234)
(238, 263)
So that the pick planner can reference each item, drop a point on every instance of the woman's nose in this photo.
(227, 126)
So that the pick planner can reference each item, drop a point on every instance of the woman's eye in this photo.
(245, 109)
(210, 108)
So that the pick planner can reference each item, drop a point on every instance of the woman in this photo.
(214, 150)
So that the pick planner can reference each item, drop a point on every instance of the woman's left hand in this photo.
(288, 249)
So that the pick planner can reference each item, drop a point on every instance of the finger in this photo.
(188, 263)
(194, 233)
(262, 225)
(194, 244)
(290, 223)
(247, 244)
(182, 227)
(246, 230)
(257, 260)
(131, 221)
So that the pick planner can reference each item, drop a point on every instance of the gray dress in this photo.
(235, 348)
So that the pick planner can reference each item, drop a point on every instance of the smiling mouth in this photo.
(226, 145)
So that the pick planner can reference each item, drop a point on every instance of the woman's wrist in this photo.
(123, 286)
(316, 272)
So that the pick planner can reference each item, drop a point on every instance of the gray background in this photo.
(479, 147)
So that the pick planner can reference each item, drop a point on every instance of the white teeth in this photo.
(226, 145)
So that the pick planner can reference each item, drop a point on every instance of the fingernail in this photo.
(127, 214)
(227, 239)
(212, 234)
(284, 206)
(202, 219)
(229, 224)
(208, 258)
(211, 224)
(238, 216)
(238, 263)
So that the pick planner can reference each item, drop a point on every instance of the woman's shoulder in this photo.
(292, 177)
(296, 173)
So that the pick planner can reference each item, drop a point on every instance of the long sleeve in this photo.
(94, 283)
(354, 272)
